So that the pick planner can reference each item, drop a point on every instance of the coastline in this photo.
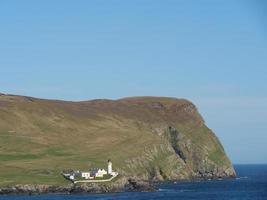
(122, 185)
(84, 188)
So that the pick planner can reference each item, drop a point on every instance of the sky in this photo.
(213, 53)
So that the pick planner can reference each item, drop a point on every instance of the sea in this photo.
(251, 183)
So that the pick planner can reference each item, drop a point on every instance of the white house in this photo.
(85, 175)
(100, 173)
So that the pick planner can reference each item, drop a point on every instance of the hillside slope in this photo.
(149, 138)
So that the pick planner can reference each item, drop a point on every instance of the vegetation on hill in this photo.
(149, 138)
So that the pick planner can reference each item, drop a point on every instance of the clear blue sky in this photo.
(211, 52)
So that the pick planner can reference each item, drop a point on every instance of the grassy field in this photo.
(40, 138)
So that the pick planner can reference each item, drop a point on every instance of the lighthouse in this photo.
(109, 167)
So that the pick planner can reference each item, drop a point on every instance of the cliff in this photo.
(147, 138)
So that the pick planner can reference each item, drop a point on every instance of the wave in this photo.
(242, 177)
(174, 190)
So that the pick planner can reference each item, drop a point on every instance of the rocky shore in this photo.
(121, 185)
(92, 188)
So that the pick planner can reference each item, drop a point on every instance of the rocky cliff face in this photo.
(147, 138)
(189, 149)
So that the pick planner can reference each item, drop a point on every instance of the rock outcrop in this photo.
(92, 188)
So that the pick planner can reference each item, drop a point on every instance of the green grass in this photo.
(39, 139)
(23, 176)
(217, 157)
(106, 176)
(8, 157)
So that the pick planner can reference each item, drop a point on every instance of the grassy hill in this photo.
(151, 138)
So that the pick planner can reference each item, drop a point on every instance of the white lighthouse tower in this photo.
(109, 167)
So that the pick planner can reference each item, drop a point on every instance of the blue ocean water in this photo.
(250, 184)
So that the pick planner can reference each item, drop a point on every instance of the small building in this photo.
(71, 174)
(101, 173)
(85, 175)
